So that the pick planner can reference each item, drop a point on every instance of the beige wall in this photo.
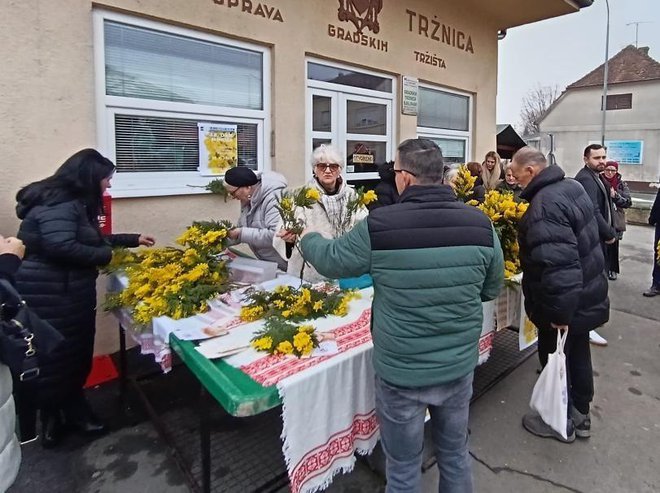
(48, 106)
(576, 120)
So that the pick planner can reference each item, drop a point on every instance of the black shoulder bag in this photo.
(23, 335)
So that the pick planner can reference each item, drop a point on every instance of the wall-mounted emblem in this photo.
(362, 13)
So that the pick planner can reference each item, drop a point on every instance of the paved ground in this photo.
(620, 457)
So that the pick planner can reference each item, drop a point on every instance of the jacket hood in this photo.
(270, 182)
(551, 174)
(35, 194)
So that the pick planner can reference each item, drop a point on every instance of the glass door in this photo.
(360, 126)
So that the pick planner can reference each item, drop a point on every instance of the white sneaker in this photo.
(596, 339)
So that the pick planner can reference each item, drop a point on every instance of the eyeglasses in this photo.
(232, 194)
(610, 170)
(325, 166)
(402, 170)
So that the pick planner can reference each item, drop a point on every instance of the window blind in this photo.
(144, 144)
(147, 64)
(439, 109)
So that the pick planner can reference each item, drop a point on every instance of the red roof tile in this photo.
(629, 65)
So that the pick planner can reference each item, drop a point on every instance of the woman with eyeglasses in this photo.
(259, 218)
(618, 190)
(329, 216)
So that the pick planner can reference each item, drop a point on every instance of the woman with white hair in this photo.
(329, 216)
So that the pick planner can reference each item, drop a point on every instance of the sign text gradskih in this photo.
(362, 14)
(255, 8)
(433, 29)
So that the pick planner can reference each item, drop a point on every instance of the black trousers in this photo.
(578, 365)
(612, 259)
(656, 252)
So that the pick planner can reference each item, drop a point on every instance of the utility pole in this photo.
(637, 23)
(605, 68)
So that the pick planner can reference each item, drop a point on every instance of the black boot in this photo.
(52, 428)
(81, 418)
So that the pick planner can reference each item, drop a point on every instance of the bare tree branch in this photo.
(534, 105)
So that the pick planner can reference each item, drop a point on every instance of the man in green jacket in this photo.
(433, 261)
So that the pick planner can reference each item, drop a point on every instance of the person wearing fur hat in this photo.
(621, 200)
(259, 217)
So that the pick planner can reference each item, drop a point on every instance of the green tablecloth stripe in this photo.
(236, 392)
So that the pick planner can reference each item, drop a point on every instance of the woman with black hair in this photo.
(57, 279)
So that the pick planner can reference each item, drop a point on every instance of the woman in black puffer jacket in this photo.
(64, 249)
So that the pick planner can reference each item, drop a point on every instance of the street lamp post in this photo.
(607, 55)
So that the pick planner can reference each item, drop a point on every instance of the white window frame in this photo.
(339, 93)
(441, 133)
(165, 183)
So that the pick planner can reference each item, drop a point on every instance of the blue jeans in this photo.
(401, 413)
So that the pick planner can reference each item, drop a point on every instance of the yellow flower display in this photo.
(284, 337)
(464, 183)
(173, 282)
(285, 307)
(297, 304)
(505, 212)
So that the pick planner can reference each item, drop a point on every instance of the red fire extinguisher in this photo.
(105, 218)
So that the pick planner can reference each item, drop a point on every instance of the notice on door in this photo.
(410, 96)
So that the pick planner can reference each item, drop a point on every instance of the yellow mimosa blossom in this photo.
(313, 194)
(286, 204)
(249, 314)
(369, 197)
(262, 344)
(284, 347)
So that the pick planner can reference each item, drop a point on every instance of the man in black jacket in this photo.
(564, 280)
(595, 158)
(654, 220)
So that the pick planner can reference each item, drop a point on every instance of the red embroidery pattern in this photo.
(341, 444)
(486, 343)
(271, 369)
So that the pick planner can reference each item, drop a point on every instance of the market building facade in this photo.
(142, 80)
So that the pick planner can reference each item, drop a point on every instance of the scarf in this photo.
(334, 205)
(491, 178)
(614, 182)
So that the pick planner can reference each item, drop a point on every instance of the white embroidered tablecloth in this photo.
(328, 409)
(328, 401)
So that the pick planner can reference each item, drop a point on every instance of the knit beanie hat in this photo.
(240, 176)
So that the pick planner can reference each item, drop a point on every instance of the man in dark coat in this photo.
(386, 188)
(654, 220)
(595, 159)
(564, 280)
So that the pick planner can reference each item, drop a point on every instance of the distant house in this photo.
(632, 131)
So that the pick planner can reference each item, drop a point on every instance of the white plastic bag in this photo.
(550, 394)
